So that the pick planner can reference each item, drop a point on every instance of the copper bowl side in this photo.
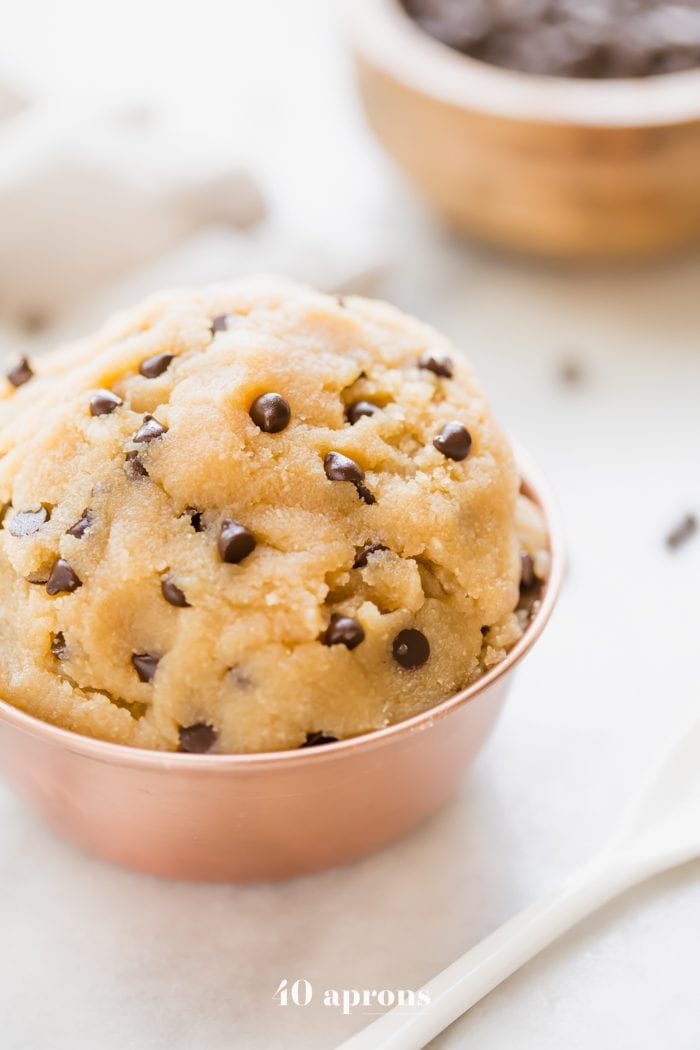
(554, 166)
(241, 818)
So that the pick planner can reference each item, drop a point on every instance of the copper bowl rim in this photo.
(127, 755)
(383, 31)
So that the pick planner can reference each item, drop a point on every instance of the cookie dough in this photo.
(254, 517)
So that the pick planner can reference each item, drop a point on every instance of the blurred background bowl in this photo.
(555, 166)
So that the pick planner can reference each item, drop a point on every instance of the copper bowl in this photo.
(239, 818)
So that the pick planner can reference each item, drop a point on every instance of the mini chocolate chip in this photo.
(361, 556)
(235, 542)
(317, 739)
(454, 441)
(411, 648)
(135, 465)
(341, 468)
(145, 665)
(528, 579)
(63, 578)
(270, 412)
(220, 323)
(343, 630)
(173, 594)
(82, 524)
(684, 530)
(197, 739)
(358, 409)
(59, 649)
(154, 366)
(438, 363)
(196, 519)
(485, 629)
(21, 373)
(149, 430)
(28, 521)
(104, 402)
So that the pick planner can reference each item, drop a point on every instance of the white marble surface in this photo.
(91, 956)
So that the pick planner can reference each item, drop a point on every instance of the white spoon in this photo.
(660, 831)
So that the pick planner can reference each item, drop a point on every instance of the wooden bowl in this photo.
(556, 166)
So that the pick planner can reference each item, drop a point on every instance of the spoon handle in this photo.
(500, 954)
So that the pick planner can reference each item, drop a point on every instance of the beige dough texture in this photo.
(189, 563)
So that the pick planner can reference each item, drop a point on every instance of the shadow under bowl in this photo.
(240, 818)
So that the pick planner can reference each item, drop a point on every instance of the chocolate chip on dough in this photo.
(59, 649)
(197, 739)
(364, 552)
(145, 665)
(81, 525)
(235, 542)
(135, 465)
(21, 373)
(63, 578)
(270, 412)
(154, 366)
(343, 630)
(454, 441)
(438, 363)
(317, 739)
(358, 409)
(104, 402)
(341, 468)
(411, 648)
(172, 594)
(149, 430)
(220, 323)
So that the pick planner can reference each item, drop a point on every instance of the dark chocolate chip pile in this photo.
(568, 38)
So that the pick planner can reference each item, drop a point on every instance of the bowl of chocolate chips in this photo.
(268, 564)
(561, 128)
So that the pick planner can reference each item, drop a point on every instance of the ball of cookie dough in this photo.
(254, 517)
